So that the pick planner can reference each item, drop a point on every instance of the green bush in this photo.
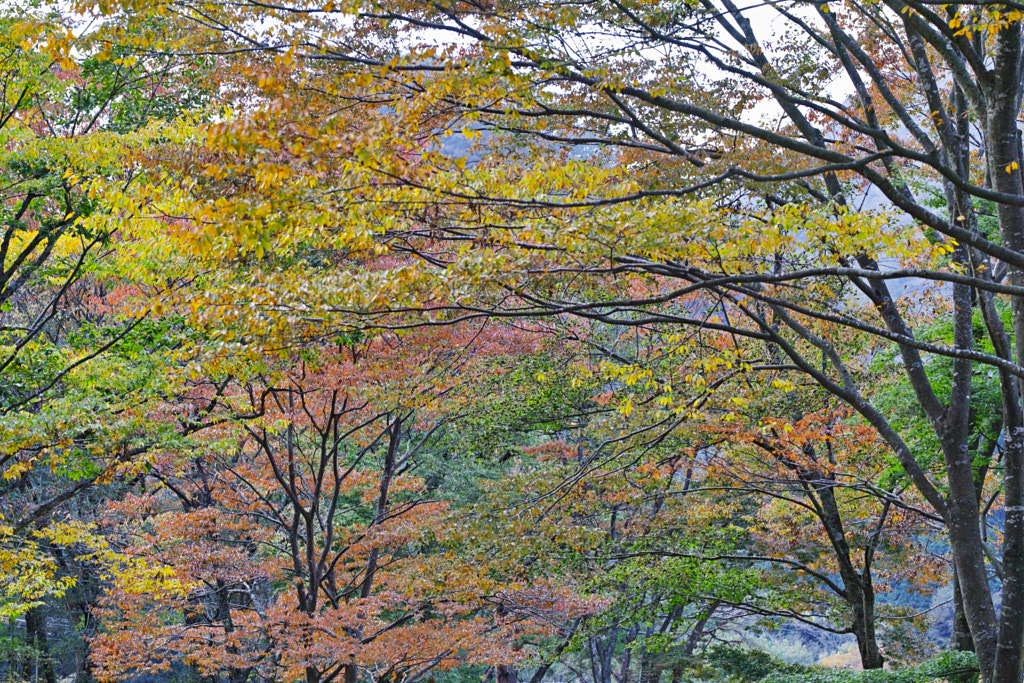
(739, 665)
(951, 664)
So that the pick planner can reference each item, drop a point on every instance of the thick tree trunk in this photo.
(507, 674)
(541, 672)
(41, 663)
(1003, 148)
(969, 560)
(235, 674)
(863, 602)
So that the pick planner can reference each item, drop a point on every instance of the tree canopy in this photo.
(399, 340)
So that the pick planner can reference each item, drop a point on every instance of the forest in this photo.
(511, 341)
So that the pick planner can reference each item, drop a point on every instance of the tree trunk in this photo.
(507, 674)
(235, 674)
(627, 656)
(960, 638)
(863, 603)
(543, 669)
(696, 633)
(387, 473)
(601, 651)
(969, 560)
(35, 628)
(1002, 142)
(859, 591)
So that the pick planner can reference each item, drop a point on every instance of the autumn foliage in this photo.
(396, 341)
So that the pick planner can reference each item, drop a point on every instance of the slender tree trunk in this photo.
(859, 593)
(960, 638)
(543, 669)
(601, 654)
(696, 633)
(595, 657)
(650, 672)
(627, 656)
(387, 473)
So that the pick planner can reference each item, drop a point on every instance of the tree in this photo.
(291, 537)
(684, 180)
(74, 370)
(624, 536)
(814, 501)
